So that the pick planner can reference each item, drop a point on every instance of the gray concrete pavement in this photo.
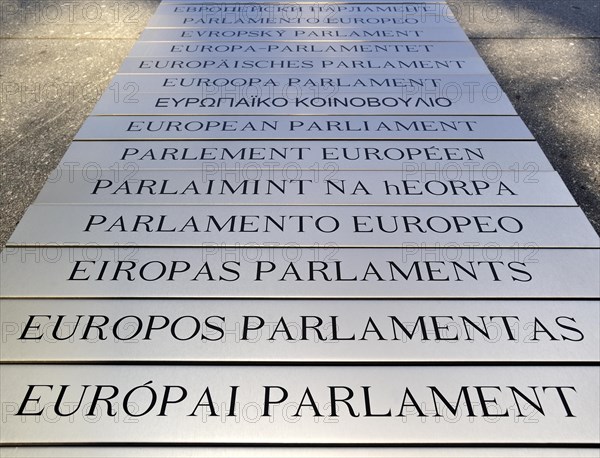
(56, 58)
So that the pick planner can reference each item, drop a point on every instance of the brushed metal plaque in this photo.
(299, 101)
(304, 127)
(301, 65)
(217, 278)
(307, 187)
(291, 272)
(304, 2)
(372, 226)
(278, 49)
(299, 331)
(293, 452)
(338, 20)
(310, 154)
(303, 15)
(279, 405)
(360, 33)
(125, 88)
(291, 10)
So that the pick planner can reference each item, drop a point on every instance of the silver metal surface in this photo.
(329, 155)
(243, 300)
(291, 10)
(301, 65)
(305, 226)
(304, 127)
(278, 49)
(303, 101)
(294, 452)
(290, 272)
(126, 88)
(265, 414)
(307, 187)
(304, 2)
(315, 331)
(359, 33)
(324, 20)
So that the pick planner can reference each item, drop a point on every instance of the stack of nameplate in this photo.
(302, 229)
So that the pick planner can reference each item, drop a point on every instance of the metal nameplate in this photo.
(309, 155)
(278, 49)
(311, 66)
(303, 127)
(299, 331)
(439, 96)
(126, 88)
(361, 33)
(299, 10)
(300, 104)
(290, 272)
(296, 452)
(307, 187)
(184, 225)
(320, 20)
(162, 405)
(304, 2)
